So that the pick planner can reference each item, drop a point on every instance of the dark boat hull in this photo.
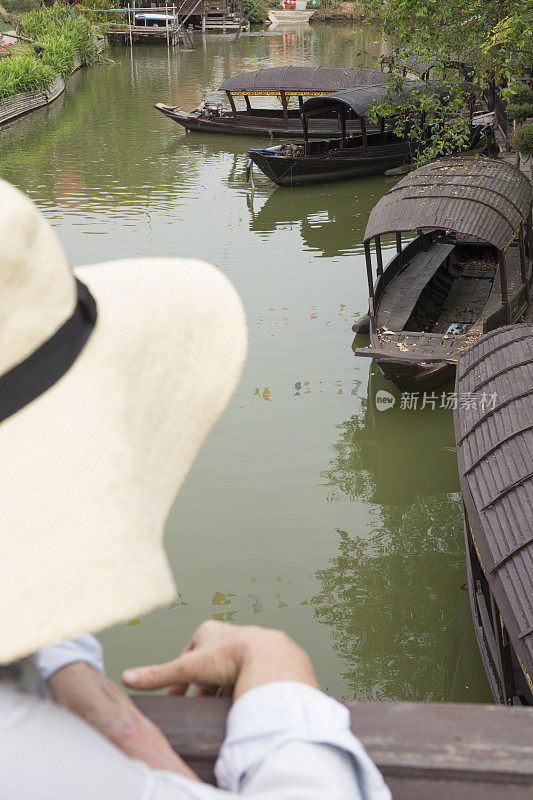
(414, 378)
(287, 171)
(257, 125)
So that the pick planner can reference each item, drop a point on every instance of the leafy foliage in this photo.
(24, 74)
(64, 37)
(484, 39)
(260, 14)
(522, 139)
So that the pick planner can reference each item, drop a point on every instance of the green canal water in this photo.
(307, 509)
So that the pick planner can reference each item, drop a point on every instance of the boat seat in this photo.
(401, 296)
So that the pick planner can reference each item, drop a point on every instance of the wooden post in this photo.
(285, 109)
(382, 129)
(232, 103)
(363, 134)
(342, 122)
(129, 25)
(306, 131)
(248, 104)
(301, 103)
(503, 283)
(379, 255)
(530, 236)
(166, 25)
(368, 259)
(522, 246)
(398, 242)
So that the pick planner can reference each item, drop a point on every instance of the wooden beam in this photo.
(364, 134)
(232, 103)
(424, 750)
(285, 108)
(370, 277)
(503, 282)
(342, 122)
(379, 255)
(398, 242)
(522, 246)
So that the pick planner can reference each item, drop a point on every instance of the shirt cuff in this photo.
(84, 648)
(269, 716)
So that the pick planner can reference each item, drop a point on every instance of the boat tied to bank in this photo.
(285, 83)
(441, 291)
(370, 151)
(494, 435)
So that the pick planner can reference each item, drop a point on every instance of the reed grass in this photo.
(64, 36)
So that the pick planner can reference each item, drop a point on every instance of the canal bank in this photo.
(334, 521)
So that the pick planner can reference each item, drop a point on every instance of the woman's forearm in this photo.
(84, 691)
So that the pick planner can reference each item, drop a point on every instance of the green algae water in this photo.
(308, 509)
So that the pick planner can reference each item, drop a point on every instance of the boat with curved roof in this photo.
(494, 436)
(289, 84)
(467, 271)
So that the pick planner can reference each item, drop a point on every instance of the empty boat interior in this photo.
(444, 285)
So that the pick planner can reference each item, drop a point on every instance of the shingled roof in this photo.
(480, 197)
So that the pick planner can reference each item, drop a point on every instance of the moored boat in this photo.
(372, 151)
(467, 272)
(494, 435)
(285, 83)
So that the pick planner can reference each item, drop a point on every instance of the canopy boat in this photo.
(281, 82)
(441, 291)
(494, 435)
(370, 152)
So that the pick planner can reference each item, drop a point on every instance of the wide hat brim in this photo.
(90, 468)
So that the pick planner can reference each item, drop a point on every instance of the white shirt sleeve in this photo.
(84, 648)
(274, 717)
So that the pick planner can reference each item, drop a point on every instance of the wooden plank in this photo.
(402, 293)
(425, 750)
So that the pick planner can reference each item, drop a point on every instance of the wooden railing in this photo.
(426, 751)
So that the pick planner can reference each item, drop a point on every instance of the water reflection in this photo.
(392, 595)
(331, 218)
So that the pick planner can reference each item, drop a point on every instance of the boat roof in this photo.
(495, 455)
(301, 80)
(475, 196)
(362, 99)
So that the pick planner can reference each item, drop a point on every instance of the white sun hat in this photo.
(111, 376)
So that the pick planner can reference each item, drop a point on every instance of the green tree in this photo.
(476, 40)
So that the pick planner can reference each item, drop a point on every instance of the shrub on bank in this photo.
(63, 36)
(24, 74)
(260, 13)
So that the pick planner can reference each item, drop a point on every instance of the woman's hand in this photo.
(93, 697)
(227, 655)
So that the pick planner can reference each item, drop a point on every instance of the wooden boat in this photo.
(441, 291)
(494, 435)
(349, 156)
(281, 82)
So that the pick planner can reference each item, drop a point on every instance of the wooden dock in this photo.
(161, 22)
(424, 750)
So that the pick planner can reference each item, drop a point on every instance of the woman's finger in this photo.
(157, 676)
